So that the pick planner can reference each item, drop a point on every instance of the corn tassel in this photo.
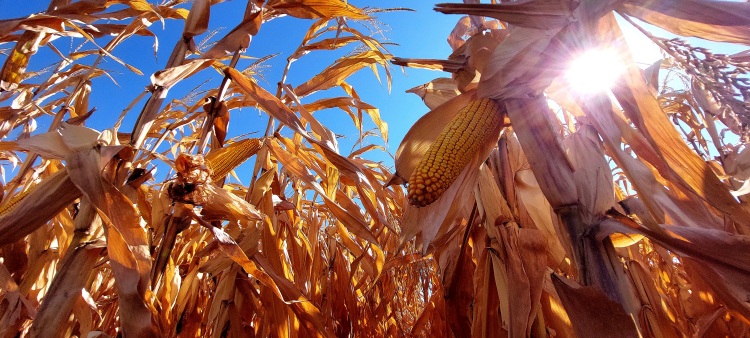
(453, 149)
(222, 161)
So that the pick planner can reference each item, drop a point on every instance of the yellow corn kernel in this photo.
(222, 161)
(453, 149)
(7, 207)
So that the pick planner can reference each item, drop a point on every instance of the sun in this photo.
(594, 71)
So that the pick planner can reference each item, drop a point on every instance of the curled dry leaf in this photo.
(436, 92)
(167, 78)
(335, 74)
(197, 21)
(313, 9)
(238, 38)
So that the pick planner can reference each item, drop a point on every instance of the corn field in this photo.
(517, 207)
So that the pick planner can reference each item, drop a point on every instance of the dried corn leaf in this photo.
(524, 259)
(544, 152)
(197, 21)
(655, 310)
(642, 107)
(313, 9)
(48, 198)
(270, 104)
(167, 78)
(127, 245)
(591, 313)
(532, 200)
(592, 174)
(436, 92)
(726, 21)
(238, 38)
(538, 14)
(65, 289)
(450, 66)
(486, 321)
(335, 74)
(517, 55)
(456, 262)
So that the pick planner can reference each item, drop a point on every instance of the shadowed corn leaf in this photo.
(49, 197)
(55, 310)
(591, 313)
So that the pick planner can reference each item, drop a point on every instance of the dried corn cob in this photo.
(5, 208)
(222, 161)
(453, 149)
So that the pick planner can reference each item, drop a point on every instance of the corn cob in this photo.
(453, 149)
(222, 161)
(7, 207)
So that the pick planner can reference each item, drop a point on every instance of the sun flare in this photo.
(594, 71)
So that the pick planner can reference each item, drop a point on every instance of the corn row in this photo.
(453, 149)
(222, 161)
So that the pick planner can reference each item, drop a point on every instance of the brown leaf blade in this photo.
(313, 9)
(591, 312)
(725, 21)
(538, 14)
(48, 198)
(127, 245)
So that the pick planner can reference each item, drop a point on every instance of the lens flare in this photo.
(594, 71)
